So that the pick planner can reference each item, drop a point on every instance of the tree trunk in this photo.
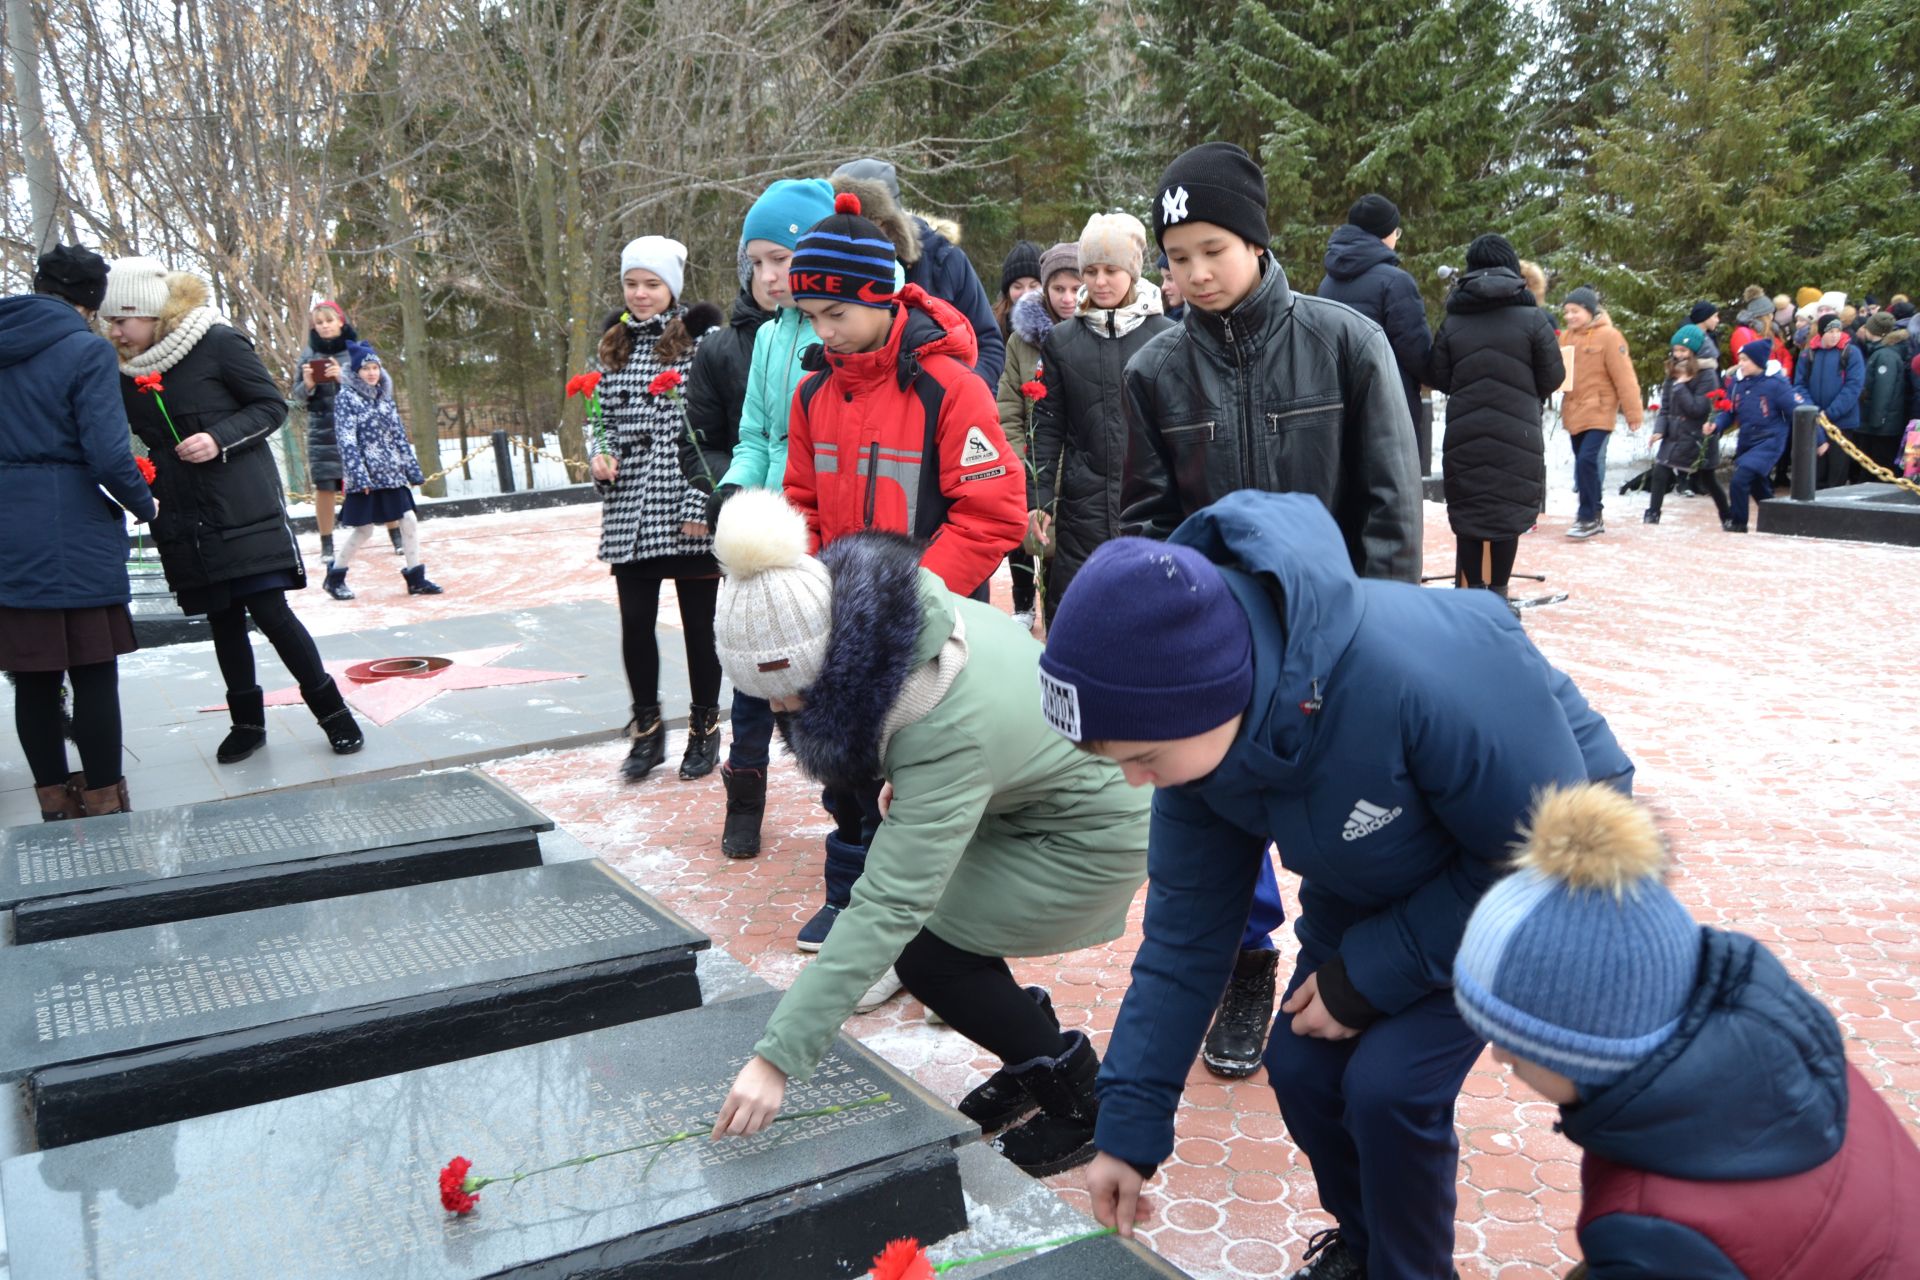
(43, 179)
(415, 366)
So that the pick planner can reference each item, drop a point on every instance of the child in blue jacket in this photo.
(1762, 405)
(1832, 374)
(1389, 741)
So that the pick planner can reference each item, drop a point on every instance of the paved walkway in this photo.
(1764, 686)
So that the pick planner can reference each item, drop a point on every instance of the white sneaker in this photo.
(1025, 619)
(880, 992)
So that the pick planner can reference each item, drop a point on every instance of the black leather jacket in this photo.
(1285, 393)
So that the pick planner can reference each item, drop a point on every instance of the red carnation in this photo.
(1718, 399)
(665, 383)
(454, 1196)
(148, 382)
(147, 471)
(1035, 390)
(902, 1260)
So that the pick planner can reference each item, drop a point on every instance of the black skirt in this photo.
(696, 564)
(62, 639)
(218, 597)
(381, 506)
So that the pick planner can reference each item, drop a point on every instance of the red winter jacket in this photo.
(908, 439)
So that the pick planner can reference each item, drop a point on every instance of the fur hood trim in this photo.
(184, 319)
(876, 624)
(878, 206)
(947, 228)
(375, 395)
(1032, 319)
(186, 293)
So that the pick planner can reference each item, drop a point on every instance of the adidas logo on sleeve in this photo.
(1368, 818)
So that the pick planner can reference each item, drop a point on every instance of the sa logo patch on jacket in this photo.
(978, 449)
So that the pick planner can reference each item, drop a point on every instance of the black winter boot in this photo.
(417, 584)
(746, 807)
(1003, 1097)
(1328, 1258)
(703, 743)
(330, 709)
(845, 861)
(336, 584)
(248, 710)
(649, 735)
(1239, 1033)
(1061, 1136)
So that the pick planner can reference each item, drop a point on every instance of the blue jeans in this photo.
(1589, 468)
(752, 732)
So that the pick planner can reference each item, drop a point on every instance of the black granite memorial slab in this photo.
(1106, 1259)
(125, 870)
(117, 1031)
(343, 1183)
(1873, 512)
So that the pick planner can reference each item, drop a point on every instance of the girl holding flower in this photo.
(653, 524)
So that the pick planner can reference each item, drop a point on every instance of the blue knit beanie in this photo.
(844, 258)
(786, 209)
(1760, 351)
(358, 353)
(1692, 337)
(1582, 960)
(1149, 645)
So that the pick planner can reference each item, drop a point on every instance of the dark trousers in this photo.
(640, 648)
(1268, 913)
(1882, 449)
(1022, 566)
(1704, 481)
(1747, 478)
(1831, 467)
(1589, 466)
(285, 632)
(752, 726)
(96, 723)
(855, 811)
(978, 997)
(1482, 562)
(1374, 1116)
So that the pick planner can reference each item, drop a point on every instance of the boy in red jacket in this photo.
(893, 431)
(1726, 1135)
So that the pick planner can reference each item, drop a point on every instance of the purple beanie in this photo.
(1760, 350)
(1149, 645)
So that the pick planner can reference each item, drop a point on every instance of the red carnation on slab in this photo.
(147, 471)
(1035, 390)
(454, 1196)
(902, 1260)
(665, 383)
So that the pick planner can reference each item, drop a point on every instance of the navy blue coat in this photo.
(1763, 408)
(1366, 275)
(944, 272)
(1833, 378)
(63, 438)
(1394, 744)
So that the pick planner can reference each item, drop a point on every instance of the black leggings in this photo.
(640, 612)
(1479, 562)
(1022, 566)
(96, 723)
(1704, 480)
(283, 631)
(979, 998)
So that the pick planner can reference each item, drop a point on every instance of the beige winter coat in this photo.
(1604, 384)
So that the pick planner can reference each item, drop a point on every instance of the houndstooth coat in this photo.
(643, 509)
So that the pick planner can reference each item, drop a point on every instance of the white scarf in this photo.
(173, 348)
(1121, 321)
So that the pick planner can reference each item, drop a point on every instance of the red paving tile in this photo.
(1762, 684)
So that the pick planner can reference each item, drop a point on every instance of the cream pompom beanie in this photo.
(1116, 240)
(135, 287)
(775, 613)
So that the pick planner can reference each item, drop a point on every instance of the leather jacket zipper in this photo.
(1245, 442)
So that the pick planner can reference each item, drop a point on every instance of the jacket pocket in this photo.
(1299, 447)
(1191, 446)
(248, 530)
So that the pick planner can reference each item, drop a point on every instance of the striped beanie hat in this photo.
(1582, 960)
(844, 258)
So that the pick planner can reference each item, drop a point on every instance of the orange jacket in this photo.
(907, 438)
(1603, 380)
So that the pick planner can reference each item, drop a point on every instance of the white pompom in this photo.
(759, 531)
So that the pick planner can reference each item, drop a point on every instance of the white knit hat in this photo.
(1115, 240)
(135, 287)
(664, 257)
(776, 605)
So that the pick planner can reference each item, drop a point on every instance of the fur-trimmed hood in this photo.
(186, 293)
(876, 641)
(878, 206)
(1032, 320)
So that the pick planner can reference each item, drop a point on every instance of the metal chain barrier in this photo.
(1873, 468)
(440, 474)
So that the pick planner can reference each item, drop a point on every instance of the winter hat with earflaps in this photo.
(136, 287)
(775, 613)
(662, 255)
(1582, 960)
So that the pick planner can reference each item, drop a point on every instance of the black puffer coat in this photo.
(1079, 445)
(227, 518)
(324, 467)
(1497, 359)
(1285, 393)
(716, 389)
(1682, 421)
